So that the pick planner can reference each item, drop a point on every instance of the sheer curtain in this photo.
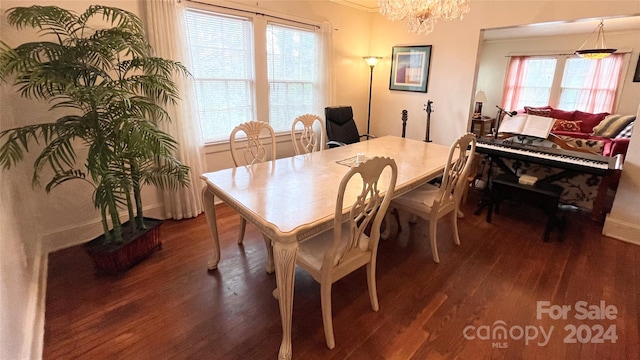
(514, 82)
(166, 32)
(324, 97)
(601, 84)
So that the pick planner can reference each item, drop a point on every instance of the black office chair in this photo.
(341, 127)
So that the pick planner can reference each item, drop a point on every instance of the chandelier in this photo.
(421, 15)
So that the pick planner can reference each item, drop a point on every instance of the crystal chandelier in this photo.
(421, 15)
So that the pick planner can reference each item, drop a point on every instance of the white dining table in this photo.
(292, 199)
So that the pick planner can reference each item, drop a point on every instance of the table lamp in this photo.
(480, 98)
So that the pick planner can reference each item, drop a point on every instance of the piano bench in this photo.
(542, 195)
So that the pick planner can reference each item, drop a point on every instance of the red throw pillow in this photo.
(539, 111)
(527, 108)
(562, 114)
(589, 121)
(567, 125)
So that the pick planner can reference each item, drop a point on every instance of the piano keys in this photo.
(577, 161)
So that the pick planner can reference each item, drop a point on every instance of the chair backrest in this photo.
(306, 140)
(455, 174)
(367, 211)
(341, 126)
(255, 149)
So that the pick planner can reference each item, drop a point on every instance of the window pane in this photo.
(291, 64)
(590, 85)
(221, 52)
(537, 81)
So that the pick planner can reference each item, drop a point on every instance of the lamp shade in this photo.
(481, 96)
(372, 60)
(595, 54)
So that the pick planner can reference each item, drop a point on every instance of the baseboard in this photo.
(621, 230)
(81, 233)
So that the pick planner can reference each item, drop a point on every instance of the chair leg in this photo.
(327, 320)
(404, 228)
(433, 225)
(390, 225)
(454, 224)
(243, 226)
(371, 282)
(270, 267)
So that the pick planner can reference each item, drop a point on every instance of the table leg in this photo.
(285, 259)
(210, 212)
(270, 267)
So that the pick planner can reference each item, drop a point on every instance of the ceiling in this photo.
(542, 29)
(585, 26)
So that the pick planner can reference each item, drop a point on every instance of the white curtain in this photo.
(167, 34)
(325, 79)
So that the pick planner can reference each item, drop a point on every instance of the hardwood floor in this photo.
(170, 307)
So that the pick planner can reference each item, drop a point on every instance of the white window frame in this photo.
(261, 84)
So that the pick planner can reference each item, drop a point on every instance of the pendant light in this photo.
(600, 50)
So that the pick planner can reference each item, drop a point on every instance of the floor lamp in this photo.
(371, 61)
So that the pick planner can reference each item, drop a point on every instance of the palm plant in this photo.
(114, 91)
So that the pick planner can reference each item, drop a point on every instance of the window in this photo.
(590, 85)
(529, 81)
(240, 77)
(291, 58)
(564, 82)
(222, 67)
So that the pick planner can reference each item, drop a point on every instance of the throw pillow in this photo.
(537, 111)
(611, 125)
(589, 120)
(562, 114)
(566, 125)
(626, 132)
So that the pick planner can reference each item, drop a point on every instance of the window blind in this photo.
(221, 52)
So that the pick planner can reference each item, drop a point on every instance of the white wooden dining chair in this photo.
(332, 255)
(248, 146)
(431, 202)
(308, 134)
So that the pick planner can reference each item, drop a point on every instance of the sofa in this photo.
(603, 133)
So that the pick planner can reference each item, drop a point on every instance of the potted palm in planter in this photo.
(112, 90)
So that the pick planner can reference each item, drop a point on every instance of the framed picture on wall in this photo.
(410, 68)
(636, 75)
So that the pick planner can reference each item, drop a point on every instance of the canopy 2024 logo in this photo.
(499, 333)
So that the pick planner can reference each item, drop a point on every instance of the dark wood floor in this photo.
(170, 307)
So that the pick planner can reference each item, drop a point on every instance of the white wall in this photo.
(623, 223)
